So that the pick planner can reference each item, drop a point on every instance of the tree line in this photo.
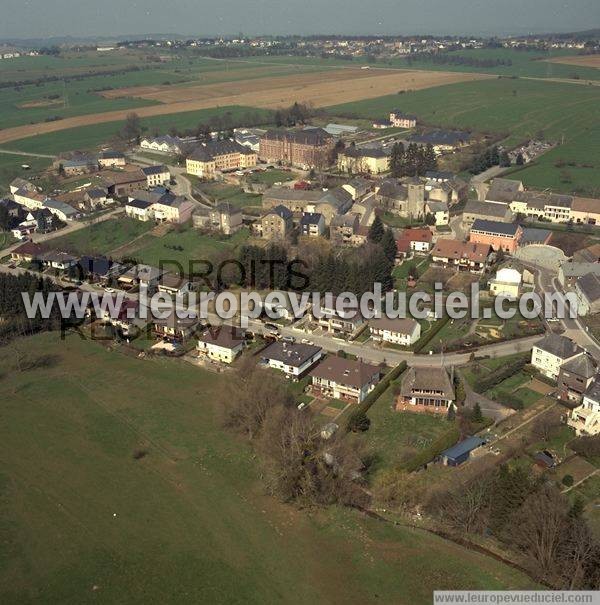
(450, 59)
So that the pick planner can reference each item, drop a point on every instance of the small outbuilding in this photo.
(461, 452)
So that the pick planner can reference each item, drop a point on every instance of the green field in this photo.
(103, 237)
(516, 110)
(10, 168)
(195, 247)
(88, 137)
(229, 193)
(83, 521)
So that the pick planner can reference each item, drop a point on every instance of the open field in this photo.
(101, 238)
(88, 137)
(83, 521)
(580, 60)
(11, 167)
(516, 110)
(320, 90)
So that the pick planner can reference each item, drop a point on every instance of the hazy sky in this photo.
(46, 18)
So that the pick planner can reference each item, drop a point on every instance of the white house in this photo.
(403, 332)
(222, 343)
(585, 419)
(156, 175)
(550, 353)
(294, 360)
(507, 282)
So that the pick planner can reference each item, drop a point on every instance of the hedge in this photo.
(428, 336)
(443, 442)
(378, 391)
(499, 374)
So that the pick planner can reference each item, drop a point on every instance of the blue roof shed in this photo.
(459, 453)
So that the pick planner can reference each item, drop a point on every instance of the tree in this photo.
(388, 243)
(430, 219)
(476, 415)
(519, 160)
(397, 160)
(504, 160)
(4, 218)
(376, 230)
(132, 129)
(451, 415)
(359, 422)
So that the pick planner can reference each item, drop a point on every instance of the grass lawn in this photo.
(510, 384)
(270, 177)
(103, 237)
(6, 239)
(196, 247)
(516, 110)
(83, 520)
(589, 492)
(10, 168)
(393, 436)
(527, 397)
(482, 367)
(229, 193)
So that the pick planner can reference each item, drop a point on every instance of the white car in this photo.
(109, 290)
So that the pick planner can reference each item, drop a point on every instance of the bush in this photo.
(588, 447)
(499, 374)
(568, 480)
(443, 442)
(428, 337)
(359, 422)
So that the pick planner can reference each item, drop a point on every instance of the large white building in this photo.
(550, 353)
(290, 358)
(507, 283)
(404, 332)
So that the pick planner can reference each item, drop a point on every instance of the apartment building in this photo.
(306, 149)
(210, 158)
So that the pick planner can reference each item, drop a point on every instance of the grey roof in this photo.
(579, 269)
(424, 378)
(504, 190)
(593, 391)
(589, 286)
(110, 154)
(401, 114)
(293, 195)
(464, 447)
(439, 174)
(559, 346)
(348, 372)
(435, 206)
(345, 220)
(495, 227)
(227, 208)
(311, 218)
(224, 336)
(583, 365)
(291, 354)
(96, 192)
(206, 152)
(339, 198)
(486, 209)
(60, 206)
(158, 169)
(531, 235)
(141, 204)
(281, 211)
(394, 189)
(405, 325)
(440, 137)
(365, 152)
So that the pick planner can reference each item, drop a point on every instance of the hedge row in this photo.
(499, 374)
(443, 442)
(429, 335)
(378, 391)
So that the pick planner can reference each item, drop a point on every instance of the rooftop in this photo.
(294, 355)
(495, 227)
(559, 346)
(345, 371)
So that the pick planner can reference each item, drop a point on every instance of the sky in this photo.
(83, 18)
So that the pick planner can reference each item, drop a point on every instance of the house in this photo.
(543, 205)
(27, 252)
(585, 211)
(172, 208)
(293, 359)
(333, 202)
(398, 119)
(363, 160)
(569, 273)
(138, 209)
(461, 452)
(506, 283)
(96, 197)
(440, 176)
(156, 175)
(439, 211)
(587, 289)
(222, 343)
(450, 192)
(585, 419)
(344, 230)
(125, 317)
(404, 332)
(110, 158)
(312, 224)
(346, 323)
(464, 256)
(61, 261)
(337, 130)
(441, 140)
(78, 166)
(575, 377)
(298, 201)
(307, 148)
(426, 389)
(550, 353)
(500, 236)
(174, 327)
(534, 236)
(143, 276)
(277, 223)
(166, 144)
(61, 210)
(226, 218)
(98, 268)
(486, 211)
(22, 184)
(591, 254)
(174, 285)
(344, 379)
(358, 188)
(213, 157)
(420, 239)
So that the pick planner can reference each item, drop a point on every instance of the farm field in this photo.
(516, 110)
(103, 237)
(583, 61)
(90, 136)
(187, 519)
(320, 90)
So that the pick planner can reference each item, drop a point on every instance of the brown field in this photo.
(319, 89)
(40, 103)
(579, 60)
